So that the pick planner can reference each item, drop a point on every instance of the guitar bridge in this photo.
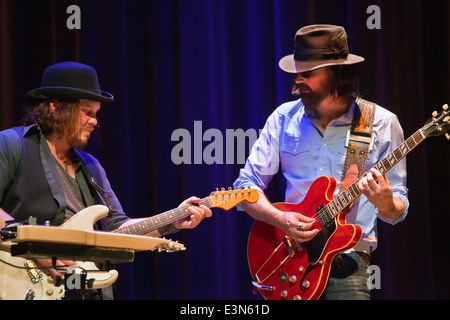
(288, 245)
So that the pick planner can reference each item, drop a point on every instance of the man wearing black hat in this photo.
(306, 139)
(44, 173)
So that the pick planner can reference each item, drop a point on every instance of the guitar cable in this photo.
(42, 267)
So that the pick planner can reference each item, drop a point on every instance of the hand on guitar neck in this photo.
(198, 213)
(288, 221)
(376, 187)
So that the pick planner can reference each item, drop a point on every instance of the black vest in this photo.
(30, 193)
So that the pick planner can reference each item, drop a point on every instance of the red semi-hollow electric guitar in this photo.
(283, 268)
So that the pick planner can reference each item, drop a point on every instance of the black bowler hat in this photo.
(70, 80)
(318, 46)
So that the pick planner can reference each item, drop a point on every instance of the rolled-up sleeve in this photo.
(264, 161)
(392, 137)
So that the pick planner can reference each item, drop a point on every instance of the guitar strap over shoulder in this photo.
(358, 142)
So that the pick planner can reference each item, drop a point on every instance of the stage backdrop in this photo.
(203, 67)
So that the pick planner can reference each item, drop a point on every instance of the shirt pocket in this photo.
(296, 156)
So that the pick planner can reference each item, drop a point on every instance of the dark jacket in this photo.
(30, 186)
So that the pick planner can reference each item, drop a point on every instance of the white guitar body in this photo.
(19, 284)
(33, 283)
(22, 279)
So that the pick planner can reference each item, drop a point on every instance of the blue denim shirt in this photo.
(10, 155)
(291, 142)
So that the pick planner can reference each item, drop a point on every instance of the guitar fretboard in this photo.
(225, 199)
(150, 224)
(326, 213)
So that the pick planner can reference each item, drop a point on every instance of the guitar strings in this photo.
(164, 217)
(162, 220)
(383, 166)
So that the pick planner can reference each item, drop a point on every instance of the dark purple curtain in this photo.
(212, 64)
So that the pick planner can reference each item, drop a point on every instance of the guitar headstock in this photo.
(227, 199)
(438, 124)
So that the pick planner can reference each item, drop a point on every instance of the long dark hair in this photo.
(63, 120)
(346, 83)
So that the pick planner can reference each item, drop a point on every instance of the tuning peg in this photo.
(434, 114)
(447, 136)
(445, 106)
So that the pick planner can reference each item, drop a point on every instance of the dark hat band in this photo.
(302, 54)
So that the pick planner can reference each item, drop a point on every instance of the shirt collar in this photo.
(32, 129)
(346, 118)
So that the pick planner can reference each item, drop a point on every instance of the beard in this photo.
(311, 99)
(80, 138)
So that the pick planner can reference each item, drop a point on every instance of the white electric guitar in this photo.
(22, 278)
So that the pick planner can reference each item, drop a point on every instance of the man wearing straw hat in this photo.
(306, 139)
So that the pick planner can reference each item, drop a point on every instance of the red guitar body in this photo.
(281, 267)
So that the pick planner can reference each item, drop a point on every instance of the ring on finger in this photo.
(300, 227)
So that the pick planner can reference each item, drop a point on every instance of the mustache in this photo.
(90, 128)
(297, 88)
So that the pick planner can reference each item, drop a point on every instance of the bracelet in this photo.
(170, 228)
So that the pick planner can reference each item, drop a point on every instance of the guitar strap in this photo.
(358, 142)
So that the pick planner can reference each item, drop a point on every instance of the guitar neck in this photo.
(150, 224)
(341, 201)
(224, 199)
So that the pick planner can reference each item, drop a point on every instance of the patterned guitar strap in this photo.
(358, 143)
